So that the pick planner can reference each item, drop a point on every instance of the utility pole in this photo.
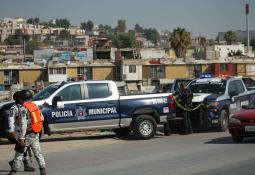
(247, 9)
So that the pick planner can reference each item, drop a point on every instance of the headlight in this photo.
(234, 121)
(213, 105)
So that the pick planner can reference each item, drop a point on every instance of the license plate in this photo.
(215, 121)
(250, 128)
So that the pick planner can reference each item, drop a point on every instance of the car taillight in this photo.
(171, 104)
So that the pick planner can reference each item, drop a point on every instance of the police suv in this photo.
(218, 98)
(71, 106)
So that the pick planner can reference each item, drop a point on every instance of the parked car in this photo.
(242, 123)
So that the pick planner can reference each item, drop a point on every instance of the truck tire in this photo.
(121, 131)
(237, 139)
(223, 126)
(144, 127)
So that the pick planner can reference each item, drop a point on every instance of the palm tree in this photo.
(180, 41)
(230, 37)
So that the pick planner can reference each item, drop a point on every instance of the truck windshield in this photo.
(212, 87)
(46, 92)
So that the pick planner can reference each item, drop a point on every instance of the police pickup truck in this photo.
(71, 106)
(218, 99)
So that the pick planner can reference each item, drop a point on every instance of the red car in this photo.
(242, 123)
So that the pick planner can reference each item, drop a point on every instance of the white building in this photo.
(152, 53)
(224, 50)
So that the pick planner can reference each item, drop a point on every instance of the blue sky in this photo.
(201, 17)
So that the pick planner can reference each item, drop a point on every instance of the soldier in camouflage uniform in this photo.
(26, 137)
(14, 113)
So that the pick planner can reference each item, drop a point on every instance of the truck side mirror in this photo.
(233, 93)
(55, 100)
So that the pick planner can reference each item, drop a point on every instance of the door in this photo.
(102, 105)
(66, 110)
(240, 98)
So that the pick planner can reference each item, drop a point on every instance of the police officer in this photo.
(11, 121)
(25, 136)
(185, 98)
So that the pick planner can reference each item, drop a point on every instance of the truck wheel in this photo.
(237, 139)
(121, 131)
(223, 121)
(144, 127)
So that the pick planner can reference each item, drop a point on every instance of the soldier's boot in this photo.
(13, 172)
(28, 167)
(42, 171)
(11, 163)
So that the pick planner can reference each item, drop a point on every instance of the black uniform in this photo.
(185, 99)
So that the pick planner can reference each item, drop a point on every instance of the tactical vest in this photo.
(35, 114)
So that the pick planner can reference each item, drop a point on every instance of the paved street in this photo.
(197, 154)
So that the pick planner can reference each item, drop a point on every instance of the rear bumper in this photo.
(166, 118)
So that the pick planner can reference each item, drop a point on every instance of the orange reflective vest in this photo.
(35, 114)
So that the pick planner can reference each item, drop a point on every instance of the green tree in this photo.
(106, 29)
(180, 41)
(33, 21)
(230, 37)
(64, 35)
(63, 23)
(121, 27)
(31, 46)
(87, 25)
(124, 40)
(152, 35)
(12, 40)
(138, 28)
(17, 38)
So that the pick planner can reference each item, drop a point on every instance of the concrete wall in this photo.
(231, 69)
(152, 53)
(146, 72)
(1, 77)
(241, 69)
(207, 68)
(176, 71)
(57, 78)
(250, 69)
(29, 76)
(132, 76)
(225, 49)
(102, 73)
(72, 71)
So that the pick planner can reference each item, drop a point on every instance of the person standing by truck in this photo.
(28, 126)
(185, 98)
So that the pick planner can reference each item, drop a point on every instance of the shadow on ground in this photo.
(66, 137)
(228, 140)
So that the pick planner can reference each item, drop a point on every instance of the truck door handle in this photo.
(111, 102)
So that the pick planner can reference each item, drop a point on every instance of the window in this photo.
(70, 93)
(58, 70)
(157, 72)
(85, 71)
(132, 68)
(98, 90)
(239, 86)
(224, 67)
(236, 86)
